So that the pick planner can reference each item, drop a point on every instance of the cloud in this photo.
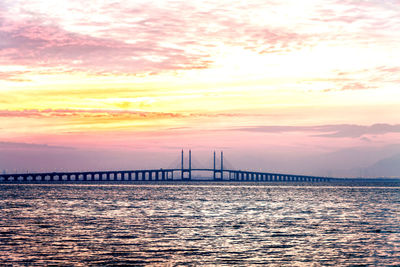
(356, 86)
(338, 131)
(386, 69)
(355, 131)
(134, 37)
(48, 113)
(105, 116)
(86, 113)
(26, 146)
(35, 44)
(364, 79)
(366, 17)
(15, 76)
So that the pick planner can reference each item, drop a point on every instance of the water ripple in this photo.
(203, 224)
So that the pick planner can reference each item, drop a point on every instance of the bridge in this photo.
(182, 173)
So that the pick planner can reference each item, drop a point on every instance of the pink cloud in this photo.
(139, 46)
(148, 38)
(362, 79)
(15, 76)
(356, 86)
(394, 70)
(35, 44)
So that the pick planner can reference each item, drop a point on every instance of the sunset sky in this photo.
(127, 84)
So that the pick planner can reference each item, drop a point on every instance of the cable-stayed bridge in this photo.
(221, 170)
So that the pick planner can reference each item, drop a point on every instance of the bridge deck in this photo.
(159, 175)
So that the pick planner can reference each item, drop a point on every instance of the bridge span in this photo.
(171, 174)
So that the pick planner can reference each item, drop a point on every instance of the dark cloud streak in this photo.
(336, 131)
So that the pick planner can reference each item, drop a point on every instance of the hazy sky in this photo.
(289, 78)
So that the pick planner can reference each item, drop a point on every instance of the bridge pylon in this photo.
(218, 174)
(187, 171)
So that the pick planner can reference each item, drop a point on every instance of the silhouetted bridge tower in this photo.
(219, 173)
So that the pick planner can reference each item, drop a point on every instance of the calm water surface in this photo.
(199, 224)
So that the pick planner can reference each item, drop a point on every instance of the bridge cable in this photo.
(176, 164)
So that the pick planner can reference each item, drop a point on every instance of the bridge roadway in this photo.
(157, 175)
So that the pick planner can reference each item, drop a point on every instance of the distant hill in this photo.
(389, 167)
(356, 162)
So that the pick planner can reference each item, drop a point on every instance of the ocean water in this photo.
(199, 224)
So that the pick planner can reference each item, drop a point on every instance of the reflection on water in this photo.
(199, 224)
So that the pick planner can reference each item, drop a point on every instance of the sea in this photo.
(199, 224)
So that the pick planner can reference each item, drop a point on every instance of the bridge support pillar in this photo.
(218, 175)
(186, 171)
